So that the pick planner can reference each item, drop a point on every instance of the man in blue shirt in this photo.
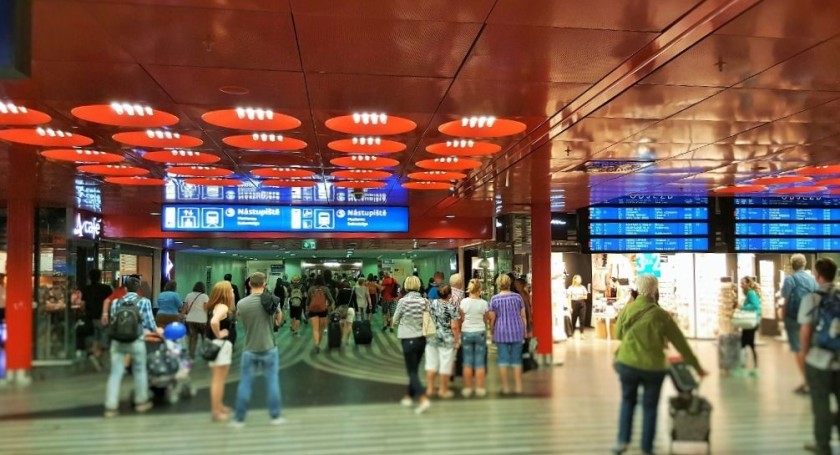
(136, 349)
(796, 286)
(433, 288)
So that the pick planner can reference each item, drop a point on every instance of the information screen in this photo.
(787, 224)
(650, 224)
(265, 218)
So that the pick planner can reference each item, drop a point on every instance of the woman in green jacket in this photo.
(752, 303)
(644, 330)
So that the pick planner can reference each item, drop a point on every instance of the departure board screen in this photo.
(650, 224)
(787, 224)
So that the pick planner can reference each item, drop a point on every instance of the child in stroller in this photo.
(168, 366)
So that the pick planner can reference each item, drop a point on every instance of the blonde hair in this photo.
(361, 281)
(798, 261)
(752, 284)
(474, 287)
(222, 293)
(503, 282)
(455, 279)
(412, 283)
(577, 280)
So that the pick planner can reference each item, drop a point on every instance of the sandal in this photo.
(220, 417)
(802, 390)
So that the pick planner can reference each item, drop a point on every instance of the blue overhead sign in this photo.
(265, 218)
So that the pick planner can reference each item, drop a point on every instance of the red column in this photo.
(541, 249)
(21, 238)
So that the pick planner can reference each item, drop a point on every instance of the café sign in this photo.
(87, 226)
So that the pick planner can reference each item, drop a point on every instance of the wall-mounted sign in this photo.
(266, 218)
(87, 226)
(308, 244)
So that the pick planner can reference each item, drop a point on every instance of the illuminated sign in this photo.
(787, 224)
(87, 226)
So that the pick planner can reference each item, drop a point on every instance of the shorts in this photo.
(792, 330)
(351, 315)
(319, 314)
(225, 356)
(296, 312)
(510, 354)
(475, 349)
(389, 307)
(440, 359)
(100, 333)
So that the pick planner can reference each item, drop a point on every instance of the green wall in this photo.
(370, 266)
(190, 268)
(427, 266)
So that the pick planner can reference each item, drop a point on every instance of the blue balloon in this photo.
(174, 331)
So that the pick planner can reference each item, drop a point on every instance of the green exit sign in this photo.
(308, 244)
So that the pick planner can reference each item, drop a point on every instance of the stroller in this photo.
(168, 366)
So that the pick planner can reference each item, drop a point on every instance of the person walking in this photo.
(195, 315)
(752, 303)
(93, 298)
(260, 352)
(796, 286)
(221, 331)
(130, 319)
(297, 301)
(821, 363)
(169, 305)
(577, 294)
(441, 347)
(507, 324)
(363, 302)
(644, 329)
(320, 300)
(474, 318)
(409, 317)
(236, 296)
(389, 300)
(520, 286)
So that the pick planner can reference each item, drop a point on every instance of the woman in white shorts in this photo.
(221, 330)
(442, 346)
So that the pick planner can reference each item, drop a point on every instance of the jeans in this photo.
(792, 330)
(413, 349)
(475, 349)
(631, 378)
(823, 384)
(137, 350)
(270, 363)
(578, 312)
(510, 354)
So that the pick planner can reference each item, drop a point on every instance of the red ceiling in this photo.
(718, 92)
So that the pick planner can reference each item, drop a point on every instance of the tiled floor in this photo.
(346, 402)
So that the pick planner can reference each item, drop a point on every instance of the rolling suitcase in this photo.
(362, 332)
(690, 413)
(729, 351)
(334, 331)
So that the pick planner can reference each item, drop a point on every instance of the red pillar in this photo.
(541, 249)
(21, 239)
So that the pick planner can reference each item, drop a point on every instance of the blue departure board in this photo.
(649, 244)
(649, 213)
(786, 244)
(787, 224)
(786, 214)
(788, 229)
(648, 229)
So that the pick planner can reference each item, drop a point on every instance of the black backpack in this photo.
(125, 325)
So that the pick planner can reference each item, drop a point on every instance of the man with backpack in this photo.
(297, 302)
(130, 318)
(796, 286)
(819, 356)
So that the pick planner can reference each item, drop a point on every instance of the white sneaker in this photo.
(424, 406)
(480, 393)
(466, 393)
(278, 421)
(406, 401)
(236, 424)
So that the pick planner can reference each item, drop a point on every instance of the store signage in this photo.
(787, 224)
(87, 226)
(308, 244)
(265, 218)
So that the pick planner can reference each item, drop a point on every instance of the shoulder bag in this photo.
(429, 328)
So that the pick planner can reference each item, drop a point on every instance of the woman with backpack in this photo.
(221, 330)
(297, 301)
(196, 317)
(320, 301)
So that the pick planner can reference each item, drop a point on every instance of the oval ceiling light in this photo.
(113, 170)
(250, 118)
(210, 181)
(359, 184)
(136, 181)
(364, 162)
(179, 156)
(198, 171)
(124, 114)
(282, 173)
(835, 191)
(281, 183)
(367, 144)
(781, 180)
(45, 137)
(828, 182)
(449, 163)
(162, 139)
(429, 186)
(740, 189)
(482, 126)
(361, 174)
(463, 147)
(832, 169)
(437, 176)
(800, 190)
(15, 115)
(81, 156)
(370, 124)
(265, 141)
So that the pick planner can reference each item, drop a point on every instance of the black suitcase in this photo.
(362, 332)
(684, 380)
(334, 331)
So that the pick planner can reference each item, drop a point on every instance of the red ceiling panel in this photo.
(201, 36)
(699, 132)
(59, 26)
(654, 101)
(642, 16)
(566, 55)
(373, 46)
(498, 98)
(83, 82)
(427, 10)
(348, 92)
(787, 19)
(247, 5)
(755, 105)
(815, 69)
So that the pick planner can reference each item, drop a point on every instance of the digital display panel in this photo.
(786, 244)
(786, 214)
(648, 229)
(649, 213)
(265, 218)
(788, 229)
(787, 224)
(650, 244)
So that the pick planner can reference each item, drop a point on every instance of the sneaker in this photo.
(619, 449)
(424, 406)
(466, 393)
(111, 413)
(278, 421)
(480, 393)
(447, 395)
(406, 401)
(236, 424)
(143, 407)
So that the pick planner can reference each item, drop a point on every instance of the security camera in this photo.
(358, 194)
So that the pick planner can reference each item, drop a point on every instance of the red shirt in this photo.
(389, 289)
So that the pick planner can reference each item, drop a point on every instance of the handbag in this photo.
(210, 351)
(742, 319)
(529, 361)
(429, 328)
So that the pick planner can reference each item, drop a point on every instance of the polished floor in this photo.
(347, 402)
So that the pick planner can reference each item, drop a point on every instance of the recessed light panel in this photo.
(135, 181)
(210, 181)
(449, 163)
(482, 126)
(251, 118)
(198, 171)
(832, 169)
(282, 173)
(113, 170)
(81, 156)
(159, 139)
(437, 176)
(781, 180)
(15, 115)
(364, 162)
(740, 189)
(828, 182)
(125, 114)
(180, 156)
(370, 124)
(361, 174)
(45, 137)
(463, 147)
(265, 141)
(800, 190)
(427, 186)
(367, 144)
(359, 184)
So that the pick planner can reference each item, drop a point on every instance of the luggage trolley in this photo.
(690, 413)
